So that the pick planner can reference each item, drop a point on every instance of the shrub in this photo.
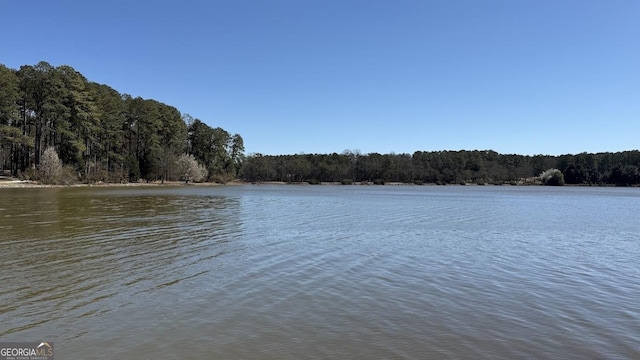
(221, 178)
(313, 182)
(28, 174)
(68, 175)
(418, 182)
(118, 176)
(552, 177)
(99, 175)
(378, 182)
(346, 182)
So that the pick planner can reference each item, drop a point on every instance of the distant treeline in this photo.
(100, 134)
(444, 167)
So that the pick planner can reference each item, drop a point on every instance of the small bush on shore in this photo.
(68, 176)
(552, 177)
(346, 182)
(97, 176)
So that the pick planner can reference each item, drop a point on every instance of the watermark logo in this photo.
(40, 350)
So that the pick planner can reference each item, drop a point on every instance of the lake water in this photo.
(322, 272)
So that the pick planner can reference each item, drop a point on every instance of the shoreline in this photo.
(27, 184)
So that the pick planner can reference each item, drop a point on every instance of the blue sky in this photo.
(293, 76)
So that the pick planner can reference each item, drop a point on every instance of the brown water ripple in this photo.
(322, 272)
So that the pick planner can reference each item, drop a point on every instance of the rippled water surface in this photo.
(318, 272)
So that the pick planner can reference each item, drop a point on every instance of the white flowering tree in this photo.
(189, 169)
(552, 177)
(50, 167)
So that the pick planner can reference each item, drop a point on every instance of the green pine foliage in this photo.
(447, 167)
(99, 133)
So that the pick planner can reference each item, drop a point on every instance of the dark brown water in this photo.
(303, 272)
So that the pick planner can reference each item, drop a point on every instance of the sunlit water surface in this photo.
(319, 272)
